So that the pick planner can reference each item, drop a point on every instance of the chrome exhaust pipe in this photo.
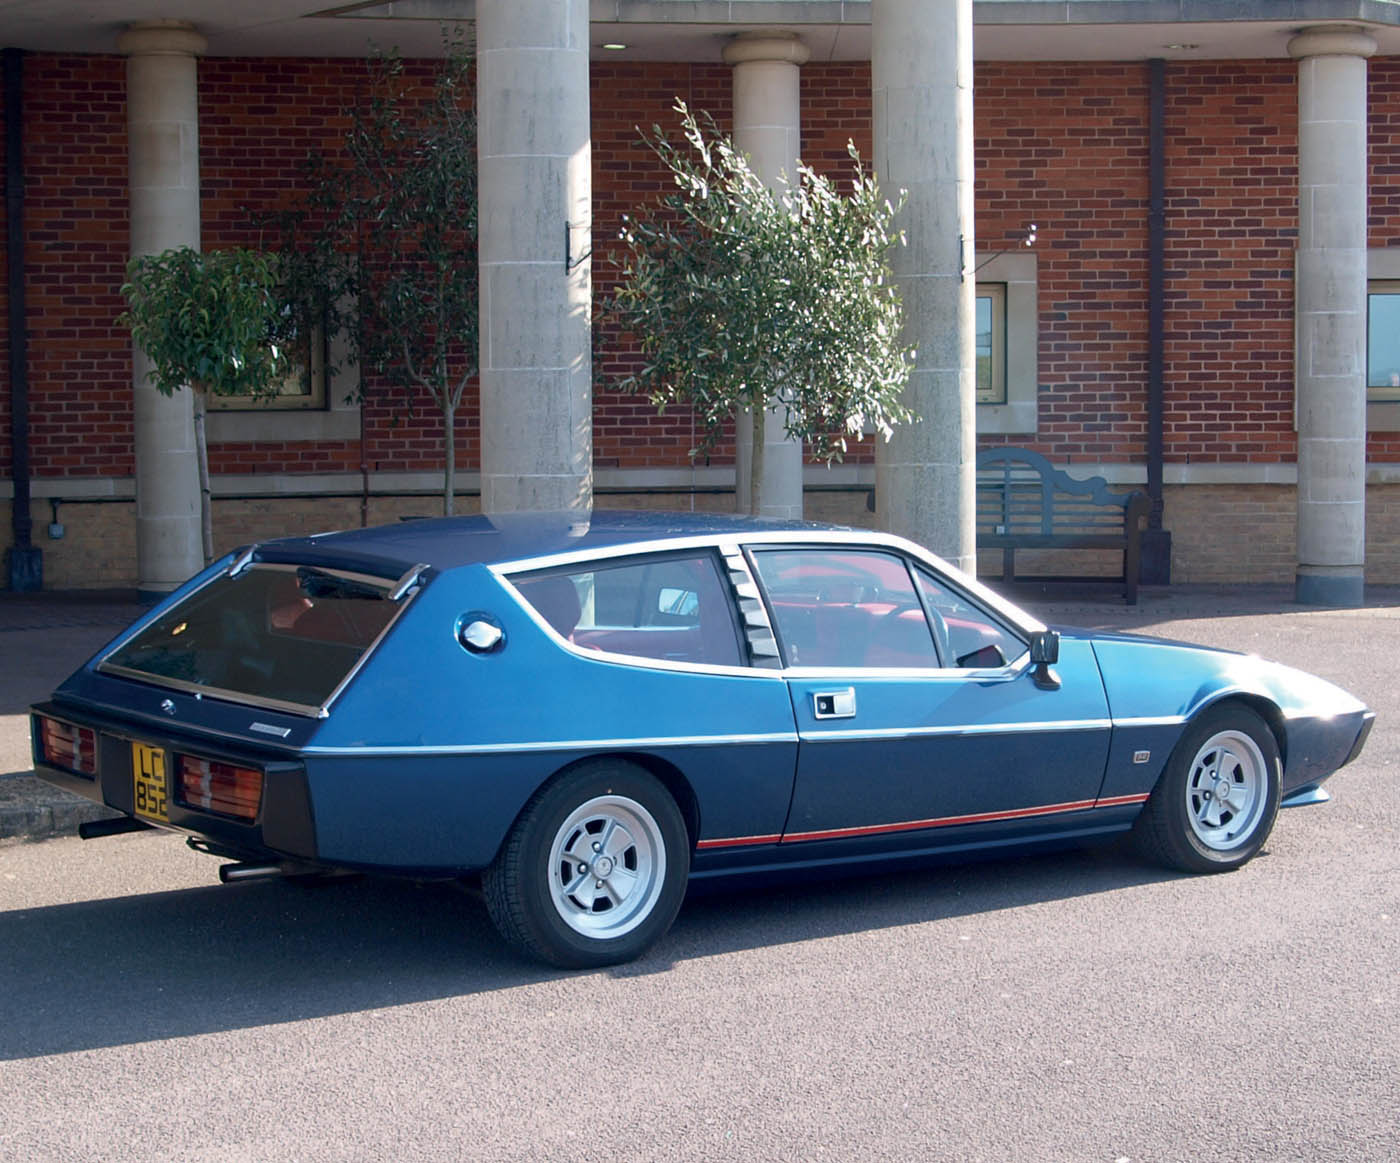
(232, 873)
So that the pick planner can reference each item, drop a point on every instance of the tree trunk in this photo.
(201, 451)
(760, 423)
(364, 467)
(449, 470)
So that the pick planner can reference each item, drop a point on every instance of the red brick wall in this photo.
(1063, 145)
(629, 99)
(1232, 223)
(259, 121)
(75, 255)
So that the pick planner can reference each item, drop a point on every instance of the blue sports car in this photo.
(591, 714)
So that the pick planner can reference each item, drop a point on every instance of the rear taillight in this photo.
(65, 745)
(220, 787)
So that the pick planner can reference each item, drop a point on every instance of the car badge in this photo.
(168, 706)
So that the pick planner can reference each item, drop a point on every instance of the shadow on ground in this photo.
(143, 968)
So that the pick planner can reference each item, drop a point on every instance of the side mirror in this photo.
(1045, 652)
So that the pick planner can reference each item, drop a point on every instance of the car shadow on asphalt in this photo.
(148, 967)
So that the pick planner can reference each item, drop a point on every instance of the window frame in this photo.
(995, 294)
(724, 588)
(1008, 631)
(1382, 393)
(1018, 271)
(337, 420)
(1382, 415)
(785, 649)
(310, 367)
(913, 567)
(109, 662)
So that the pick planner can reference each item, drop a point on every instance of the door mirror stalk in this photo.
(1045, 652)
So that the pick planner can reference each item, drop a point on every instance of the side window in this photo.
(975, 640)
(672, 608)
(844, 608)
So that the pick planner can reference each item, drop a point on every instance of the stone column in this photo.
(921, 73)
(163, 168)
(535, 230)
(1331, 313)
(768, 128)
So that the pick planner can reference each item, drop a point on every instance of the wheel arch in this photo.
(666, 773)
(675, 782)
(1265, 708)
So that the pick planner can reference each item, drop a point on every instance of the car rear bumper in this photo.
(283, 827)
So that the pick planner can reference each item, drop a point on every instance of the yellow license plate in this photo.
(148, 782)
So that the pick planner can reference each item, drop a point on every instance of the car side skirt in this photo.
(994, 838)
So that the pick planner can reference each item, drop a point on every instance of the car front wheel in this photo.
(593, 871)
(1215, 804)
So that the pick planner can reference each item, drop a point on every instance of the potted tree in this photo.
(210, 321)
(782, 303)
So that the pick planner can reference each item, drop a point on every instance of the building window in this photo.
(302, 388)
(991, 343)
(1008, 343)
(1383, 340)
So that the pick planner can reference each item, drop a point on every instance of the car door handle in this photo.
(834, 704)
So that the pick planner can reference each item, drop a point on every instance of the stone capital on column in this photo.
(1331, 40)
(767, 45)
(162, 38)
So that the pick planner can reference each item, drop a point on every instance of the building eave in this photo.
(696, 30)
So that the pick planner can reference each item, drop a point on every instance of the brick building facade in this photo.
(1062, 144)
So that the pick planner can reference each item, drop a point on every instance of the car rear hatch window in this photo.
(275, 635)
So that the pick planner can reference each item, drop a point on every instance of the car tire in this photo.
(594, 870)
(1191, 825)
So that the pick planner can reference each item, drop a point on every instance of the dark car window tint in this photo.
(845, 607)
(273, 632)
(671, 608)
(975, 639)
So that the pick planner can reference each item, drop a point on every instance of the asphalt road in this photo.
(1081, 1006)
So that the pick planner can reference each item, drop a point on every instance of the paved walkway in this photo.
(45, 637)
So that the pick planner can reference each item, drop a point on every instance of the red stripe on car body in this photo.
(937, 822)
(738, 841)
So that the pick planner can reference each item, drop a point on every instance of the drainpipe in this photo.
(1156, 541)
(25, 565)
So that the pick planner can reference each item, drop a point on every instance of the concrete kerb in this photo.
(44, 637)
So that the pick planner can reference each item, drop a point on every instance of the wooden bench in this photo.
(1025, 502)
